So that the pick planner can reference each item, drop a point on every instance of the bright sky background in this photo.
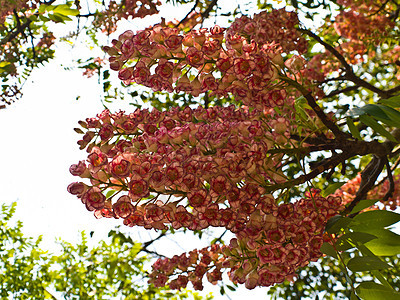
(38, 146)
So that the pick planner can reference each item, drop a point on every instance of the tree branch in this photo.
(337, 92)
(187, 15)
(20, 28)
(349, 74)
(320, 113)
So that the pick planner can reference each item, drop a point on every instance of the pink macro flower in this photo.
(97, 158)
(209, 83)
(141, 73)
(154, 212)
(135, 219)
(224, 64)
(174, 43)
(77, 188)
(120, 167)
(138, 189)
(141, 38)
(174, 174)
(217, 32)
(198, 199)
(194, 57)
(93, 199)
(164, 69)
(123, 208)
(79, 169)
(243, 67)
(211, 48)
(276, 236)
(125, 74)
(251, 280)
(295, 64)
(182, 218)
(106, 132)
(219, 186)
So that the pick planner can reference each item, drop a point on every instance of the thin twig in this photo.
(345, 90)
(187, 15)
(349, 75)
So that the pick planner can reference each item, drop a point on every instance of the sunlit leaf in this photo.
(366, 263)
(375, 291)
(374, 219)
(386, 244)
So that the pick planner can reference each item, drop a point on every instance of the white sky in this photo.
(38, 145)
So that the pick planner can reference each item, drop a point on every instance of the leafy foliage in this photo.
(107, 271)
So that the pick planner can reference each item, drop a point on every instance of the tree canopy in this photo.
(281, 126)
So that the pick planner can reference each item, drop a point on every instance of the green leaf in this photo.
(4, 63)
(386, 244)
(328, 249)
(353, 129)
(110, 193)
(377, 127)
(343, 244)
(363, 204)
(65, 10)
(392, 101)
(336, 223)
(331, 188)
(373, 220)
(366, 263)
(373, 110)
(353, 296)
(393, 115)
(375, 291)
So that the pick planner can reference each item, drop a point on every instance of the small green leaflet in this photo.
(374, 220)
(366, 263)
(386, 244)
(336, 223)
(375, 291)
(353, 128)
(369, 121)
(363, 204)
(392, 101)
(342, 243)
(328, 249)
(331, 188)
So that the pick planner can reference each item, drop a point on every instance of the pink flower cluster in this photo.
(192, 268)
(7, 7)
(357, 26)
(215, 167)
(272, 245)
(348, 192)
(208, 60)
(277, 26)
(107, 20)
(213, 157)
(279, 239)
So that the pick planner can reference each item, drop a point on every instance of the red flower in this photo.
(123, 208)
(194, 57)
(93, 199)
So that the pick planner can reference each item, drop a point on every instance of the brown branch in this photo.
(328, 47)
(349, 75)
(394, 90)
(330, 163)
(206, 13)
(148, 243)
(347, 89)
(389, 193)
(320, 113)
(20, 28)
(187, 15)
(368, 178)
